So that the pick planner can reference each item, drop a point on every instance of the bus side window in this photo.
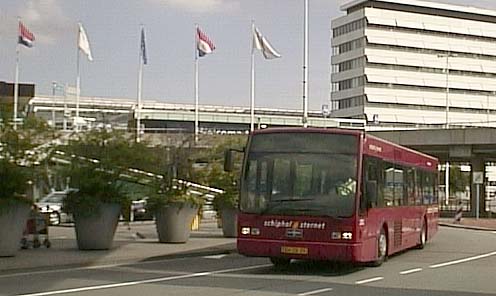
(435, 185)
(388, 183)
(418, 188)
(399, 184)
(428, 188)
(372, 170)
(410, 187)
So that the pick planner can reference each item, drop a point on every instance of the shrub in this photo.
(98, 159)
(20, 155)
(161, 195)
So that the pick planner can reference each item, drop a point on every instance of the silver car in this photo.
(52, 204)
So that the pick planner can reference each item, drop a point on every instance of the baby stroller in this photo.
(36, 231)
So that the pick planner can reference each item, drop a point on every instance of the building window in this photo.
(349, 27)
(350, 102)
(335, 68)
(351, 64)
(335, 87)
(350, 45)
(351, 83)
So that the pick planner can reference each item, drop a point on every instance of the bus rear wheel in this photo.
(280, 262)
(382, 246)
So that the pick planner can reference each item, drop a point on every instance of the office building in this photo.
(414, 62)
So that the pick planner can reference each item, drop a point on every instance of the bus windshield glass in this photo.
(311, 174)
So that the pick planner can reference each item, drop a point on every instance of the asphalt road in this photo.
(456, 262)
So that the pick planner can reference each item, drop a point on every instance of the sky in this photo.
(112, 27)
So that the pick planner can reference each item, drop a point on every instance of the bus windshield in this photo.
(311, 174)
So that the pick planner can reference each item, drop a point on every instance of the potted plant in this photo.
(18, 158)
(95, 206)
(14, 206)
(95, 171)
(174, 208)
(226, 203)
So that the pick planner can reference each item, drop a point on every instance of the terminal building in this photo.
(161, 117)
(405, 62)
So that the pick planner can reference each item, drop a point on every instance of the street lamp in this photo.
(54, 85)
(447, 55)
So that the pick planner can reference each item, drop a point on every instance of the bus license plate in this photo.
(294, 250)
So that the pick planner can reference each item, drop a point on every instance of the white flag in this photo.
(83, 43)
(262, 44)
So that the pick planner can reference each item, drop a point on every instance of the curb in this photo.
(228, 248)
(120, 223)
(466, 227)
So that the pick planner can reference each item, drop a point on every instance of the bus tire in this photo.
(382, 247)
(422, 236)
(280, 262)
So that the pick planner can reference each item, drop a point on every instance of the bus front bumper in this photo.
(332, 251)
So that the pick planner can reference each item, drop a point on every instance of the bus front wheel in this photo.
(382, 246)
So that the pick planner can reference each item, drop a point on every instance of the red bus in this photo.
(333, 194)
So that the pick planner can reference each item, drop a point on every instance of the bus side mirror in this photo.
(228, 160)
(371, 193)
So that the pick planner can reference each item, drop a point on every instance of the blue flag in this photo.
(143, 46)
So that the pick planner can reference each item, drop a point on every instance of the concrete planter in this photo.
(96, 232)
(12, 223)
(174, 222)
(229, 218)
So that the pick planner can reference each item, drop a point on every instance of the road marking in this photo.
(463, 260)
(315, 292)
(375, 279)
(215, 256)
(149, 281)
(410, 271)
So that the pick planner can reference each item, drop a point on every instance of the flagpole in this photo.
(140, 83)
(78, 90)
(305, 68)
(196, 84)
(78, 82)
(16, 83)
(65, 107)
(252, 84)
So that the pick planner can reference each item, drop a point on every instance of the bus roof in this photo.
(371, 145)
(308, 130)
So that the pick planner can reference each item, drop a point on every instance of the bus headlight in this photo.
(255, 231)
(245, 230)
(336, 235)
(347, 235)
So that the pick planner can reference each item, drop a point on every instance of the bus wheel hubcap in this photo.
(423, 235)
(382, 245)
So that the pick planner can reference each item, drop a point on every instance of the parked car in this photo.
(52, 204)
(139, 210)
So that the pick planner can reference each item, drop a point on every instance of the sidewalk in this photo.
(470, 223)
(138, 244)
